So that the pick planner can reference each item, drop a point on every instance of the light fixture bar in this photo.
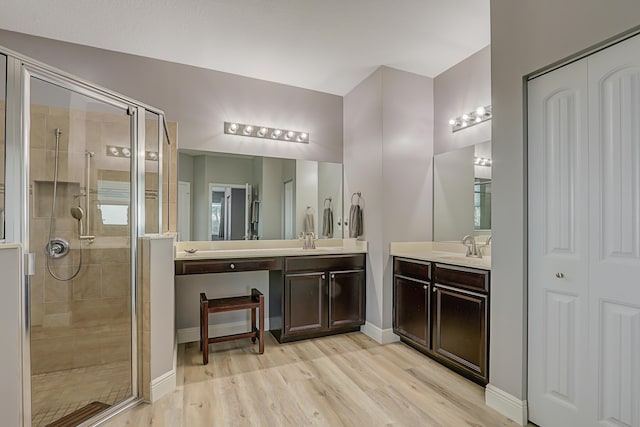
(125, 152)
(264, 132)
(479, 115)
(481, 161)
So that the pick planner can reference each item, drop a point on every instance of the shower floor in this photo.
(56, 394)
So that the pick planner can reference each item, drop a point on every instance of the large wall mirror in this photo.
(237, 197)
(462, 193)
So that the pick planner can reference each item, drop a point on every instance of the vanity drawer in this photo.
(227, 265)
(313, 263)
(464, 277)
(414, 269)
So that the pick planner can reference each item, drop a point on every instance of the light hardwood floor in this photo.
(344, 380)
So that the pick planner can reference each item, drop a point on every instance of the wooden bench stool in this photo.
(219, 305)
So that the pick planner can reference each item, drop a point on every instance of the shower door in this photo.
(82, 228)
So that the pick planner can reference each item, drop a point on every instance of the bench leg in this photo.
(204, 328)
(253, 323)
(261, 324)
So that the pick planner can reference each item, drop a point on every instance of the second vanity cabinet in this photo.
(442, 310)
(317, 295)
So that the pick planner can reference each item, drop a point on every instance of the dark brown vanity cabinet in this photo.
(321, 295)
(412, 301)
(443, 310)
(305, 303)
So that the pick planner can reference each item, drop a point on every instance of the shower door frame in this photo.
(20, 70)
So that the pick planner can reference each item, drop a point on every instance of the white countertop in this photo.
(266, 248)
(443, 252)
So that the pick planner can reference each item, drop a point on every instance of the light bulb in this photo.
(248, 129)
(464, 124)
(276, 133)
(478, 119)
(302, 137)
(262, 131)
(452, 122)
(480, 111)
(153, 155)
(233, 127)
(114, 151)
(465, 117)
(288, 135)
(126, 152)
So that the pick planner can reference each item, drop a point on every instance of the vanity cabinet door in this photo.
(460, 329)
(305, 303)
(412, 306)
(346, 298)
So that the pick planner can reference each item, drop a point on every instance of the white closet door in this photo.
(614, 261)
(560, 392)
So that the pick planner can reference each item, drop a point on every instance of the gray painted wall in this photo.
(201, 100)
(461, 89)
(10, 307)
(388, 153)
(526, 36)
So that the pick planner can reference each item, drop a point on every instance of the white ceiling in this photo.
(325, 45)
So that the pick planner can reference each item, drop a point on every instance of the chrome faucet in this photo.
(308, 240)
(472, 248)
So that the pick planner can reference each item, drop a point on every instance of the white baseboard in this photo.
(508, 405)
(193, 334)
(163, 385)
(381, 336)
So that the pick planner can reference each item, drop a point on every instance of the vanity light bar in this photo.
(481, 161)
(115, 151)
(481, 114)
(264, 132)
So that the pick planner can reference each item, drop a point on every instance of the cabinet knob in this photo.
(323, 277)
(333, 276)
(232, 266)
(424, 287)
(434, 289)
(559, 275)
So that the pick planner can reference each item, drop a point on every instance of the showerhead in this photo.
(77, 212)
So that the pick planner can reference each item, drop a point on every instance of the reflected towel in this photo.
(327, 222)
(255, 213)
(309, 224)
(355, 221)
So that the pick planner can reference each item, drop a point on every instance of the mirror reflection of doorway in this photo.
(230, 211)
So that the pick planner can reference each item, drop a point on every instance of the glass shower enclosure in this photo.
(85, 176)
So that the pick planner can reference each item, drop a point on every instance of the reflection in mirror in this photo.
(235, 197)
(3, 85)
(462, 193)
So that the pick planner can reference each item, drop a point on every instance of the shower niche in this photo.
(68, 194)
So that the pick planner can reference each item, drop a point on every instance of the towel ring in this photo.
(325, 202)
(357, 193)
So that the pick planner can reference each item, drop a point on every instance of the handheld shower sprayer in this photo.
(77, 213)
